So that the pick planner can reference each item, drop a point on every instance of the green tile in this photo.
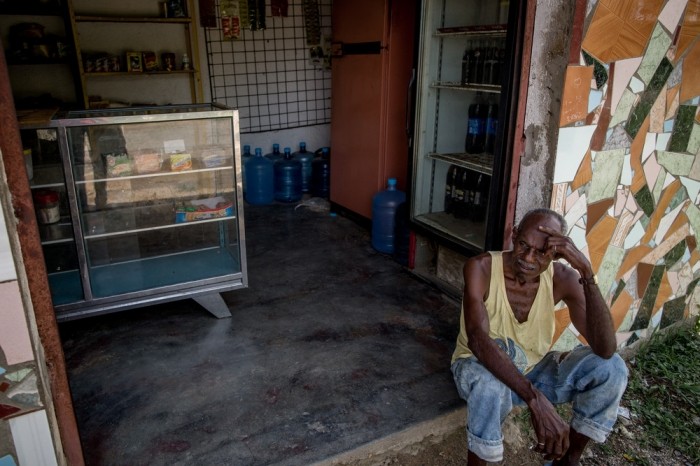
(645, 200)
(607, 168)
(672, 312)
(675, 254)
(649, 96)
(647, 304)
(656, 51)
(676, 163)
(659, 185)
(599, 72)
(566, 342)
(682, 128)
(623, 108)
(609, 266)
(678, 198)
(694, 140)
(693, 214)
(618, 291)
(691, 287)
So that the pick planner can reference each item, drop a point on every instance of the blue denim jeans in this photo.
(592, 384)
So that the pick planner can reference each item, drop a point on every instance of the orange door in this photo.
(368, 115)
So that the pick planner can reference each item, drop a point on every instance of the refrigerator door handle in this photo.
(409, 101)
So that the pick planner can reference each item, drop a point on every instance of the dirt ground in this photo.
(622, 448)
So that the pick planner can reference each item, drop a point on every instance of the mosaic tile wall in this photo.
(25, 436)
(627, 172)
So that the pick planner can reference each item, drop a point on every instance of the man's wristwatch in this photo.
(588, 281)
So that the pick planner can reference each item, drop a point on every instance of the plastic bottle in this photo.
(480, 198)
(244, 158)
(384, 205)
(287, 178)
(491, 126)
(321, 174)
(466, 65)
(460, 195)
(305, 157)
(185, 62)
(476, 64)
(260, 176)
(275, 155)
(450, 188)
(476, 126)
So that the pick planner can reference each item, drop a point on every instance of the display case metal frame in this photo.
(205, 291)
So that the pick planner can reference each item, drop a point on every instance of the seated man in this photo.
(506, 330)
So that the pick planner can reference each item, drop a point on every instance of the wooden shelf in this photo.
(131, 19)
(136, 73)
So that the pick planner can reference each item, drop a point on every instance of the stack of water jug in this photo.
(285, 176)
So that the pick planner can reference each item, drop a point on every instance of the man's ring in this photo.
(540, 444)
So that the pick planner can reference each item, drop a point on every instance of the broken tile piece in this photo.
(656, 51)
(641, 321)
(694, 139)
(645, 200)
(18, 375)
(26, 387)
(574, 101)
(662, 141)
(571, 147)
(7, 460)
(626, 175)
(619, 139)
(668, 126)
(649, 145)
(7, 410)
(673, 311)
(675, 77)
(624, 70)
(634, 235)
(607, 168)
(690, 84)
(636, 85)
(624, 106)
(649, 96)
(671, 14)
(594, 99)
(676, 163)
(682, 128)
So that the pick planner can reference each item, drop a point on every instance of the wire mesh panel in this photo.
(272, 76)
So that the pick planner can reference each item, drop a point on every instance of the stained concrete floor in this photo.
(332, 346)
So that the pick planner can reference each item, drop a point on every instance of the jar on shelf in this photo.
(47, 206)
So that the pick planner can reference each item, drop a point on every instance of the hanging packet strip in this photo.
(312, 22)
(230, 19)
(244, 14)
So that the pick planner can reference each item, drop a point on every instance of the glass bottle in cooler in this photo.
(491, 125)
(480, 197)
(476, 126)
(450, 188)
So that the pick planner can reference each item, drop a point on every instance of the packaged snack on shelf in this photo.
(117, 164)
(214, 157)
(147, 161)
(204, 209)
(180, 161)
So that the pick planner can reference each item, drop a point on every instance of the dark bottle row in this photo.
(482, 125)
(482, 62)
(466, 193)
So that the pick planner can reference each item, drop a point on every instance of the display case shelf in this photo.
(158, 227)
(482, 163)
(489, 30)
(154, 175)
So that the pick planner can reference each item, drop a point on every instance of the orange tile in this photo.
(659, 212)
(577, 87)
(561, 321)
(691, 26)
(584, 173)
(643, 275)
(602, 34)
(690, 84)
(621, 28)
(596, 211)
(632, 258)
(672, 102)
(680, 220)
(691, 242)
(599, 238)
(664, 293)
(620, 308)
(638, 178)
(694, 257)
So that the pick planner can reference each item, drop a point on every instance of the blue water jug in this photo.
(244, 158)
(287, 178)
(261, 182)
(305, 157)
(384, 205)
(321, 174)
(275, 155)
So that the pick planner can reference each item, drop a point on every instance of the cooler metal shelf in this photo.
(492, 30)
(491, 88)
(158, 227)
(482, 163)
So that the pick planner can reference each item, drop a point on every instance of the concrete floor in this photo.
(332, 346)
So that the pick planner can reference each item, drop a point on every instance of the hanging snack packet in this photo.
(230, 19)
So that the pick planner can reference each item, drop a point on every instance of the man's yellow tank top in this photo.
(526, 343)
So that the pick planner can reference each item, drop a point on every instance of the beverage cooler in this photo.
(467, 77)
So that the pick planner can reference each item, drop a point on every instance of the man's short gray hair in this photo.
(544, 211)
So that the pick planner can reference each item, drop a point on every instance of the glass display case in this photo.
(152, 209)
(465, 62)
